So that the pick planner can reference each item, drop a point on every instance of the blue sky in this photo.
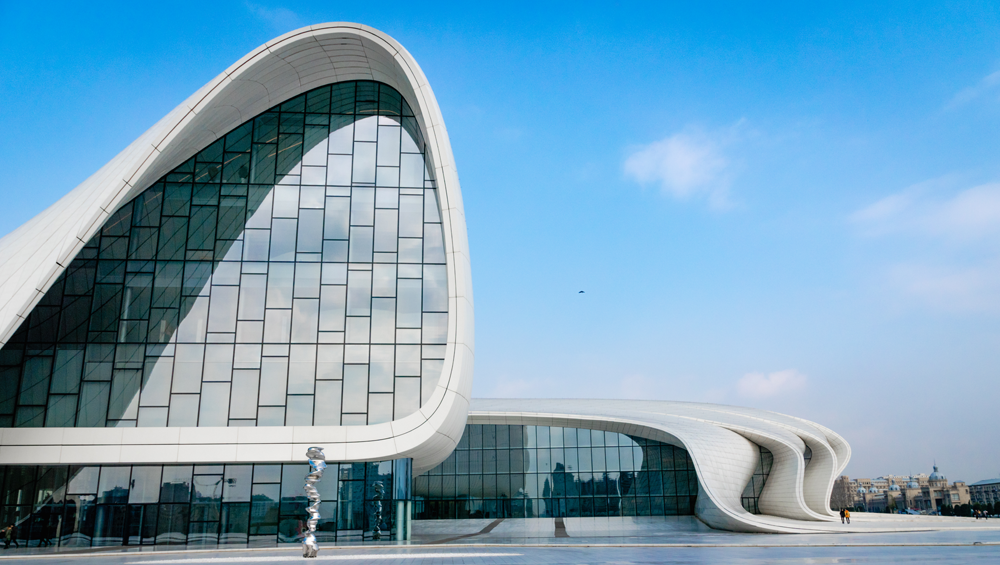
(789, 207)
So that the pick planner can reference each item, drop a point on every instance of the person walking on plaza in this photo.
(841, 515)
(847, 515)
(10, 536)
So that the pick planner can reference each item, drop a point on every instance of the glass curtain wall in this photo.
(291, 273)
(751, 494)
(191, 504)
(540, 471)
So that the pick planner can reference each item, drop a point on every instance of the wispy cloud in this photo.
(986, 85)
(760, 385)
(951, 287)
(971, 214)
(953, 261)
(685, 164)
(280, 18)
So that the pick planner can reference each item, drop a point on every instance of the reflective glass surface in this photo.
(193, 504)
(541, 471)
(291, 273)
(751, 494)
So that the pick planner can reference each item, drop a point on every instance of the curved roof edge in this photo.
(722, 442)
(35, 254)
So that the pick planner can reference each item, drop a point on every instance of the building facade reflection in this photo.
(502, 471)
(189, 504)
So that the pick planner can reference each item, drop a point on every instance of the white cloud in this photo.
(952, 288)
(966, 95)
(759, 385)
(684, 164)
(884, 211)
(954, 256)
(971, 214)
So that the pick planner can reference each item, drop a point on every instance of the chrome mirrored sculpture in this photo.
(317, 463)
(377, 503)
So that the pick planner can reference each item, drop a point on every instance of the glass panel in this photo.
(408, 303)
(355, 393)
(307, 280)
(238, 480)
(61, 411)
(364, 163)
(305, 320)
(222, 315)
(433, 244)
(359, 284)
(302, 369)
(124, 401)
(328, 403)
(114, 485)
(109, 525)
(93, 404)
(206, 498)
(435, 288)
(243, 402)
(172, 523)
(145, 484)
(379, 408)
(235, 523)
(386, 222)
(333, 307)
(360, 250)
(273, 380)
(214, 404)
(299, 411)
(183, 410)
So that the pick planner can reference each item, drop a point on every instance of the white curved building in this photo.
(757, 471)
(282, 262)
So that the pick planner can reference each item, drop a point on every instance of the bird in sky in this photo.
(581, 292)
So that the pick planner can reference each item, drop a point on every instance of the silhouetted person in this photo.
(841, 515)
(10, 536)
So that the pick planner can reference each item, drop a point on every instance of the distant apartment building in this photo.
(985, 492)
(921, 492)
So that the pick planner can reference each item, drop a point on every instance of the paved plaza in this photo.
(871, 539)
(575, 555)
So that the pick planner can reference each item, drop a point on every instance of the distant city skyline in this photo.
(789, 208)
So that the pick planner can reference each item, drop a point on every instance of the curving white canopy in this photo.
(722, 442)
(33, 256)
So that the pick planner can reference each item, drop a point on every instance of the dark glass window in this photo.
(76, 506)
(541, 471)
(751, 494)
